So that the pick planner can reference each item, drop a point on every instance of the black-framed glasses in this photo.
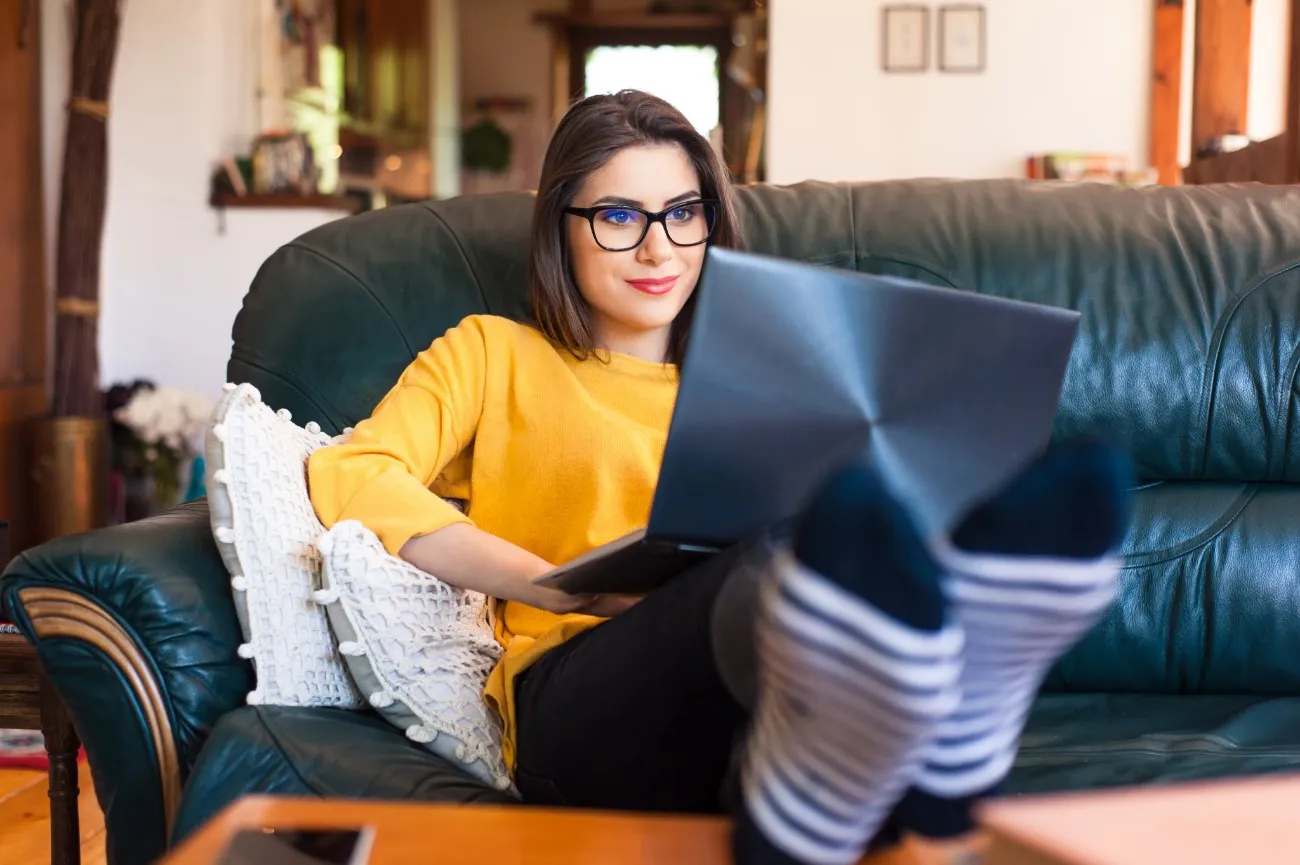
(620, 227)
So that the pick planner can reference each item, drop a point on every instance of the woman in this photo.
(839, 676)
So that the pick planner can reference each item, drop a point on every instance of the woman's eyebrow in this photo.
(632, 202)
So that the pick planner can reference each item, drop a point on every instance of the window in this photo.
(684, 75)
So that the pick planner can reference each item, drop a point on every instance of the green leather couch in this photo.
(1188, 355)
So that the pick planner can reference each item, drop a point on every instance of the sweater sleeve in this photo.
(380, 477)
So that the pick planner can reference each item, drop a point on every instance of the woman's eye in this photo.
(682, 214)
(618, 217)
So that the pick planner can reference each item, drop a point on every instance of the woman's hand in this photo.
(563, 603)
(469, 558)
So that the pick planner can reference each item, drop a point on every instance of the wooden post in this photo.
(561, 73)
(1166, 90)
(61, 745)
(1293, 95)
(1221, 80)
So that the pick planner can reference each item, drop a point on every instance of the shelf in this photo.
(288, 202)
(634, 21)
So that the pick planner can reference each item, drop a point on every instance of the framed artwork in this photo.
(961, 38)
(905, 38)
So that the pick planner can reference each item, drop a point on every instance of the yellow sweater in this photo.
(553, 454)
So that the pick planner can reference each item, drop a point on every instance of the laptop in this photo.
(794, 369)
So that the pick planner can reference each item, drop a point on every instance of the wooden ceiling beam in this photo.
(1293, 94)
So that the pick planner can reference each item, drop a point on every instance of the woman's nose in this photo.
(656, 246)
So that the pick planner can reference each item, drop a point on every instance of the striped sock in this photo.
(857, 665)
(1029, 574)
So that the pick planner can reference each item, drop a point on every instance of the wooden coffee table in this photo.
(407, 832)
(472, 834)
(1210, 823)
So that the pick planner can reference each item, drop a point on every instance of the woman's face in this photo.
(636, 293)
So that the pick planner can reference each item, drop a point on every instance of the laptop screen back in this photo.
(794, 369)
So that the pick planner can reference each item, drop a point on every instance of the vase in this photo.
(69, 475)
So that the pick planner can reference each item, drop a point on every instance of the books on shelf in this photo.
(1080, 167)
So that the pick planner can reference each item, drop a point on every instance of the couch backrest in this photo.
(1187, 354)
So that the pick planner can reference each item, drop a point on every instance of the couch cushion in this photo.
(1207, 598)
(295, 751)
(1083, 741)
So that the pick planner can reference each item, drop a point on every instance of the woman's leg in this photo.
(856, 668)
(1028, 573)
(634, 713)
(855, 664)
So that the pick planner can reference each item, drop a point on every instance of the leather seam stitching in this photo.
(392, 319)
(1209, 388)
(829, 259)
(925, 268)
(1230, 516)
(455, 238)
(1285, 387)
(329, 414)
(293, 767)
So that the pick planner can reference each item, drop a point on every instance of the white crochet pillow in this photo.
(420, 649)
(266, 529)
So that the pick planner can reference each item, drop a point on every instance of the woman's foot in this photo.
(1030, 572)
(857, 665)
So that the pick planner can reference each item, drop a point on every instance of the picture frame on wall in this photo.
(905, 37)
(962, 37)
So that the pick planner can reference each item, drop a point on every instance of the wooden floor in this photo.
(25, 819)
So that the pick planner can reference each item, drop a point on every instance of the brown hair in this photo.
(592, 131)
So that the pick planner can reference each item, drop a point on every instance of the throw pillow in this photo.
(266, 529)
(420, 649)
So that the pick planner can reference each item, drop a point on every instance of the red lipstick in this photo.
(662, 285)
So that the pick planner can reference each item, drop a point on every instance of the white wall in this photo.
(504, 52)
(1269, 49)
(183, 96)
(1061, 76)
(836, 115)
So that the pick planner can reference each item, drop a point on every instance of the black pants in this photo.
(634, 713)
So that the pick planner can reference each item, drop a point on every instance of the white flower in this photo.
(168, 416)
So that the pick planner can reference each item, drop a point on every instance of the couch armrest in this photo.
(136, 629)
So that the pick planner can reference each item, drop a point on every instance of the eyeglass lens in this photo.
(619, 228)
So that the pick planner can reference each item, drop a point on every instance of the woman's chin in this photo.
(651, 323)
(651, 313)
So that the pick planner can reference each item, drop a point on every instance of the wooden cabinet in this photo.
(386, 68)
(23, 303)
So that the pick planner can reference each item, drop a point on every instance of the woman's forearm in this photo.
(469, 558)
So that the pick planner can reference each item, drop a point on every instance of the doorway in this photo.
(683, 65)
